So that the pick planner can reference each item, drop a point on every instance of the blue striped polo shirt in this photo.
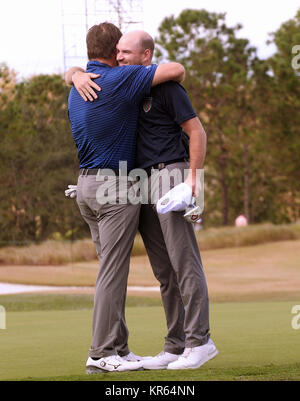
(104, 130)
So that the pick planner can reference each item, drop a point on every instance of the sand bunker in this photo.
(7, 288)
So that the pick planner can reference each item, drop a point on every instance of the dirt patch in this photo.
(261, 272)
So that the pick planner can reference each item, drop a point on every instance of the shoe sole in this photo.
(209, 357)
(90, 370)
(160, 368)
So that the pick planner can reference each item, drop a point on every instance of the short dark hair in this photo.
(101, 40)
(147, 43)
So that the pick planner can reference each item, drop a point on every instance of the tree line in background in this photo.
(250, 109)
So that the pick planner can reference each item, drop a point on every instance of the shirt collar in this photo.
(95, 63)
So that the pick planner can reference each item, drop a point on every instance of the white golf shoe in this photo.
(131, 357)
(113, 363)
(193, 358)
(160, 361)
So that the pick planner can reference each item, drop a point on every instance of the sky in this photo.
(32, 36)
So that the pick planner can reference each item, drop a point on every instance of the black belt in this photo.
(160, 166)
(95, 171)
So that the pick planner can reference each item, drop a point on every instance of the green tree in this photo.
(220, 81)
(7, 85)
(39, 160)
(285, 119)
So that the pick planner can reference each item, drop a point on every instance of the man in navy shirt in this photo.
(104, 133)
(170, 240)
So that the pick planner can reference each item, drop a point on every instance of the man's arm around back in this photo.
(85, 85)
(168, 72)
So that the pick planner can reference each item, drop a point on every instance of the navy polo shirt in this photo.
(159, 131)
(104, 130)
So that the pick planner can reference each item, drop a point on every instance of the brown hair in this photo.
(101, 40)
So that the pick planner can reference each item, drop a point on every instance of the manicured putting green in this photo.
(256, 341)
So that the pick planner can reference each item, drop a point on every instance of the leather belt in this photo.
(162, 165)
(95, 171)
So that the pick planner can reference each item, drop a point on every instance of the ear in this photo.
(147, 55)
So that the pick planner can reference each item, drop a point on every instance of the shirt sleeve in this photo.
(138, 80)
(177, 102)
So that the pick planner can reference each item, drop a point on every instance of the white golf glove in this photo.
(71, 192)
(177, 199)
(180, 199)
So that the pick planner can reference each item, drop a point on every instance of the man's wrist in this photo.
(72, 76)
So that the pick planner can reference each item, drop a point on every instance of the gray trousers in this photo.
(175, 259)
(113, 229)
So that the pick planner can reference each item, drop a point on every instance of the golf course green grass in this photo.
(47, 337)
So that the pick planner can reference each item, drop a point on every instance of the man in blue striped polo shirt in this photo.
(104, 132)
